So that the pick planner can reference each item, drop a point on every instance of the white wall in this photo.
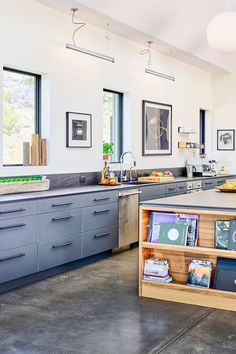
(33, 38)
(224, 115)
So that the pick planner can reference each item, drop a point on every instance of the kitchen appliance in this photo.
(189, 170)
(202, 167)
(128, 217)
(209, 169)
(194, 186)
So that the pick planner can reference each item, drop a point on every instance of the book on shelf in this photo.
(156, 270)
(192, 221)
(199, 273)
(232, 235)
(167, 279)
(225, 275)
(173, 234)
(222, 234)
(155, 219)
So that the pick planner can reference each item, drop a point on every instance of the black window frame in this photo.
(38, 80)
(121, 122)
(202, 130)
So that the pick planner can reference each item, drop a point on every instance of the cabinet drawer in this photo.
(100, 241)
(181, 188)
(97, 217)
(152, 192)
(171, 189)
(60, 251)
(220, 181)
(18, 232)
(100, 198)
(14, 210)
(208, 184)
(60, 224)
(59, 203)
(17, 263)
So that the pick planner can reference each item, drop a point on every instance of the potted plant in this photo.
(107, 150)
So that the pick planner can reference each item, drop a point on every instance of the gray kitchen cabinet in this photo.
(220, 181)
(60, 224)
(18, 232)
(99, 216)
(92, 199)
(100, 240)
(18, 262)
(171, 189)
(49, 205)
(17, 209)
(181, 188)
(59, 251)
(208, 184)
(152, 192)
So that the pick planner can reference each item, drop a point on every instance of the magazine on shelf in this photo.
(225, 274)
(222, 234)
(155, 219)
(232, 236)
(199, 273)
(192, 222)
(173, 234)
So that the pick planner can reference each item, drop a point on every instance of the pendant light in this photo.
(221, 31)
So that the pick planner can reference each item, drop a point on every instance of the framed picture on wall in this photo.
(157, 129)
(226, 139)
(78, 130)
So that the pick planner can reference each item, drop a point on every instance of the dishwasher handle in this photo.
(123, 195)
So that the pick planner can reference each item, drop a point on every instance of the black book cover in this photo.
(225, 277)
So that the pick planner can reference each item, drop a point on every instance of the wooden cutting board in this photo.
(155, 179)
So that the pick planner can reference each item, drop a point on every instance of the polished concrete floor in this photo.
(95, 310)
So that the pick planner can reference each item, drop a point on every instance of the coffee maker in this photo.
(202, 167)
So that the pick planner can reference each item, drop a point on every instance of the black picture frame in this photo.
(168, 138)
(84, 126)
(226, 137)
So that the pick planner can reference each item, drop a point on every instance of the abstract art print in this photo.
(157, 128)
(226, 139)
(78, 130)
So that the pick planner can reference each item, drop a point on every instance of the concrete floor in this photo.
(95, 310)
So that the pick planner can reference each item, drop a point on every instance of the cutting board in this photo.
(155, 179)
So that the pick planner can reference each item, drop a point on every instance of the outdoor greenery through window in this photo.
(21, 112)
(112, 121)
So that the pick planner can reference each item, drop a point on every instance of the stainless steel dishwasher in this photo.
(128, 216)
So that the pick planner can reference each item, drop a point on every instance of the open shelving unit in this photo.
(179, 258)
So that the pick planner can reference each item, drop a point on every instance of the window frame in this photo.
(121, 121)
(202, 130)
(38, 80)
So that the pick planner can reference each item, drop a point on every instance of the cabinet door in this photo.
(171, 189)
(208, 184)
(18, 263)
(60, 251)
(220, 181)
(60, 224)
(17, 209)
(97, 217)
(18, 232)
(49, 205)
(92, 199)
(100, 240)
(152, 192)
(181, 188)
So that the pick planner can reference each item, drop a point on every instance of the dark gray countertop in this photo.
(211, 199)
(89, 189)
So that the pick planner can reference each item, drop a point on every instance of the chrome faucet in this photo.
(124, 177)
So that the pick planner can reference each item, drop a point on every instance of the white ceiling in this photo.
(177, 24)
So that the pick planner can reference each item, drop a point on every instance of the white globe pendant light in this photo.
(221, 32)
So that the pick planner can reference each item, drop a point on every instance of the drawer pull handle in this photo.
(181, 187)
(100, 199)
(171, 189)
(62, 218)
(12, 257)
(103, 235)
(12, 211)
(62, 245)
(11, 226)
(62, 204)
(208, 183)
(101, 211)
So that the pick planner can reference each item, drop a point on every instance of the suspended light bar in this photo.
(156, 73)
(90, 52)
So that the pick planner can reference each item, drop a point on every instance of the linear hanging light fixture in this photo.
(149, 70)
(83, 50)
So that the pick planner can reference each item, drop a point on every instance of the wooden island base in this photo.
(179, 258)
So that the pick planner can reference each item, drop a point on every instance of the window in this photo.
(202, 130)
(21, 112)
(113, 121)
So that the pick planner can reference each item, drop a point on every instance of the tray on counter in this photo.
(23, 187)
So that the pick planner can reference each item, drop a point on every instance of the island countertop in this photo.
(212, 200)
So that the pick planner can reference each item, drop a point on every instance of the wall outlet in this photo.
(82, 179)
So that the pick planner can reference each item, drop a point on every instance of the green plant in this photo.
(107, 148)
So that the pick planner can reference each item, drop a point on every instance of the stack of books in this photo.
(157, 270)
(173, 229)
(225, 234)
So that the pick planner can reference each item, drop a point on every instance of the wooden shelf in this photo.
(179, 258)
(187, 249)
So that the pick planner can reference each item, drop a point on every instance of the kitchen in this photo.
(76, 173)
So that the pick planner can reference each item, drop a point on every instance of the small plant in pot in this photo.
(107, 150)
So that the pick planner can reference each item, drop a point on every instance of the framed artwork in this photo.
(226, 139)
(78, 130)
(157, 129)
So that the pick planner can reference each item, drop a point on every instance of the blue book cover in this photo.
(225, 276)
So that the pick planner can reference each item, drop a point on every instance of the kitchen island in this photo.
(209, 206)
